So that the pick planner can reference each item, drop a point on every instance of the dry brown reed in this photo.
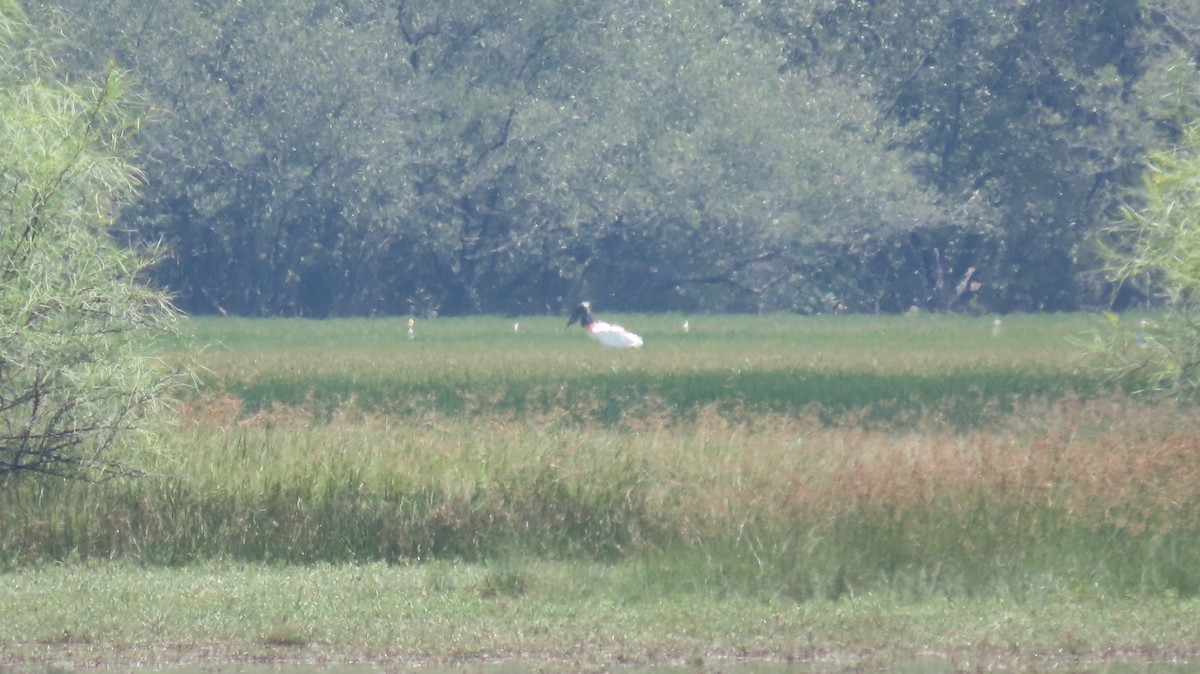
(1102, 492)
(1111, 461)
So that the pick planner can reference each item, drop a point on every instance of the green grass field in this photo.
(891, 368)
(764, 459)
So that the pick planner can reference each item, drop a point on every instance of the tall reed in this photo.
(712, 468)
(1089, 497)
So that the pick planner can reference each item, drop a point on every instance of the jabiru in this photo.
(612, 336)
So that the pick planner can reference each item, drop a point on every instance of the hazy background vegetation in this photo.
(346, 157)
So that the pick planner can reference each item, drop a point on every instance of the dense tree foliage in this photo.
(76, 378)
(324, 157)
(1014, 110)
(1157, 245)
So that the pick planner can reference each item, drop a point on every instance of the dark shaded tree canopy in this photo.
(325, 157)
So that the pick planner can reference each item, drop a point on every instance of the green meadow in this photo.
(891, 369)
(899, 476)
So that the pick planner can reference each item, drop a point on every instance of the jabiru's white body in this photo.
(608, 334)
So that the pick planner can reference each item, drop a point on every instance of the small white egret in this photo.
(613, 336)
(411, 333)
(516, 327)
(1141, 337)
(996, 328)
(685, 326)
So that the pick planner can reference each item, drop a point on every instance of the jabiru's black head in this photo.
(582, 313)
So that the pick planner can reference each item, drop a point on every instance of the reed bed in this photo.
(782, 457)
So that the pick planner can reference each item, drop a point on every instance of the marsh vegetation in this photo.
(804, 457)
(781, 463)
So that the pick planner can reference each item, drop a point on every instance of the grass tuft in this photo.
(287, 635)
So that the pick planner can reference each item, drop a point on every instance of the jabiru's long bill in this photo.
(608, 334)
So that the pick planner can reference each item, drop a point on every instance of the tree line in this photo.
(355, 157)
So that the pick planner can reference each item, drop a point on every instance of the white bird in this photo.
(996, 328)
(607, 334)
(685, 326)
(1141, 337)
(411, 323)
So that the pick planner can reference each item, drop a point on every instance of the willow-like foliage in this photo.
(1157, 245)
(78, 379)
